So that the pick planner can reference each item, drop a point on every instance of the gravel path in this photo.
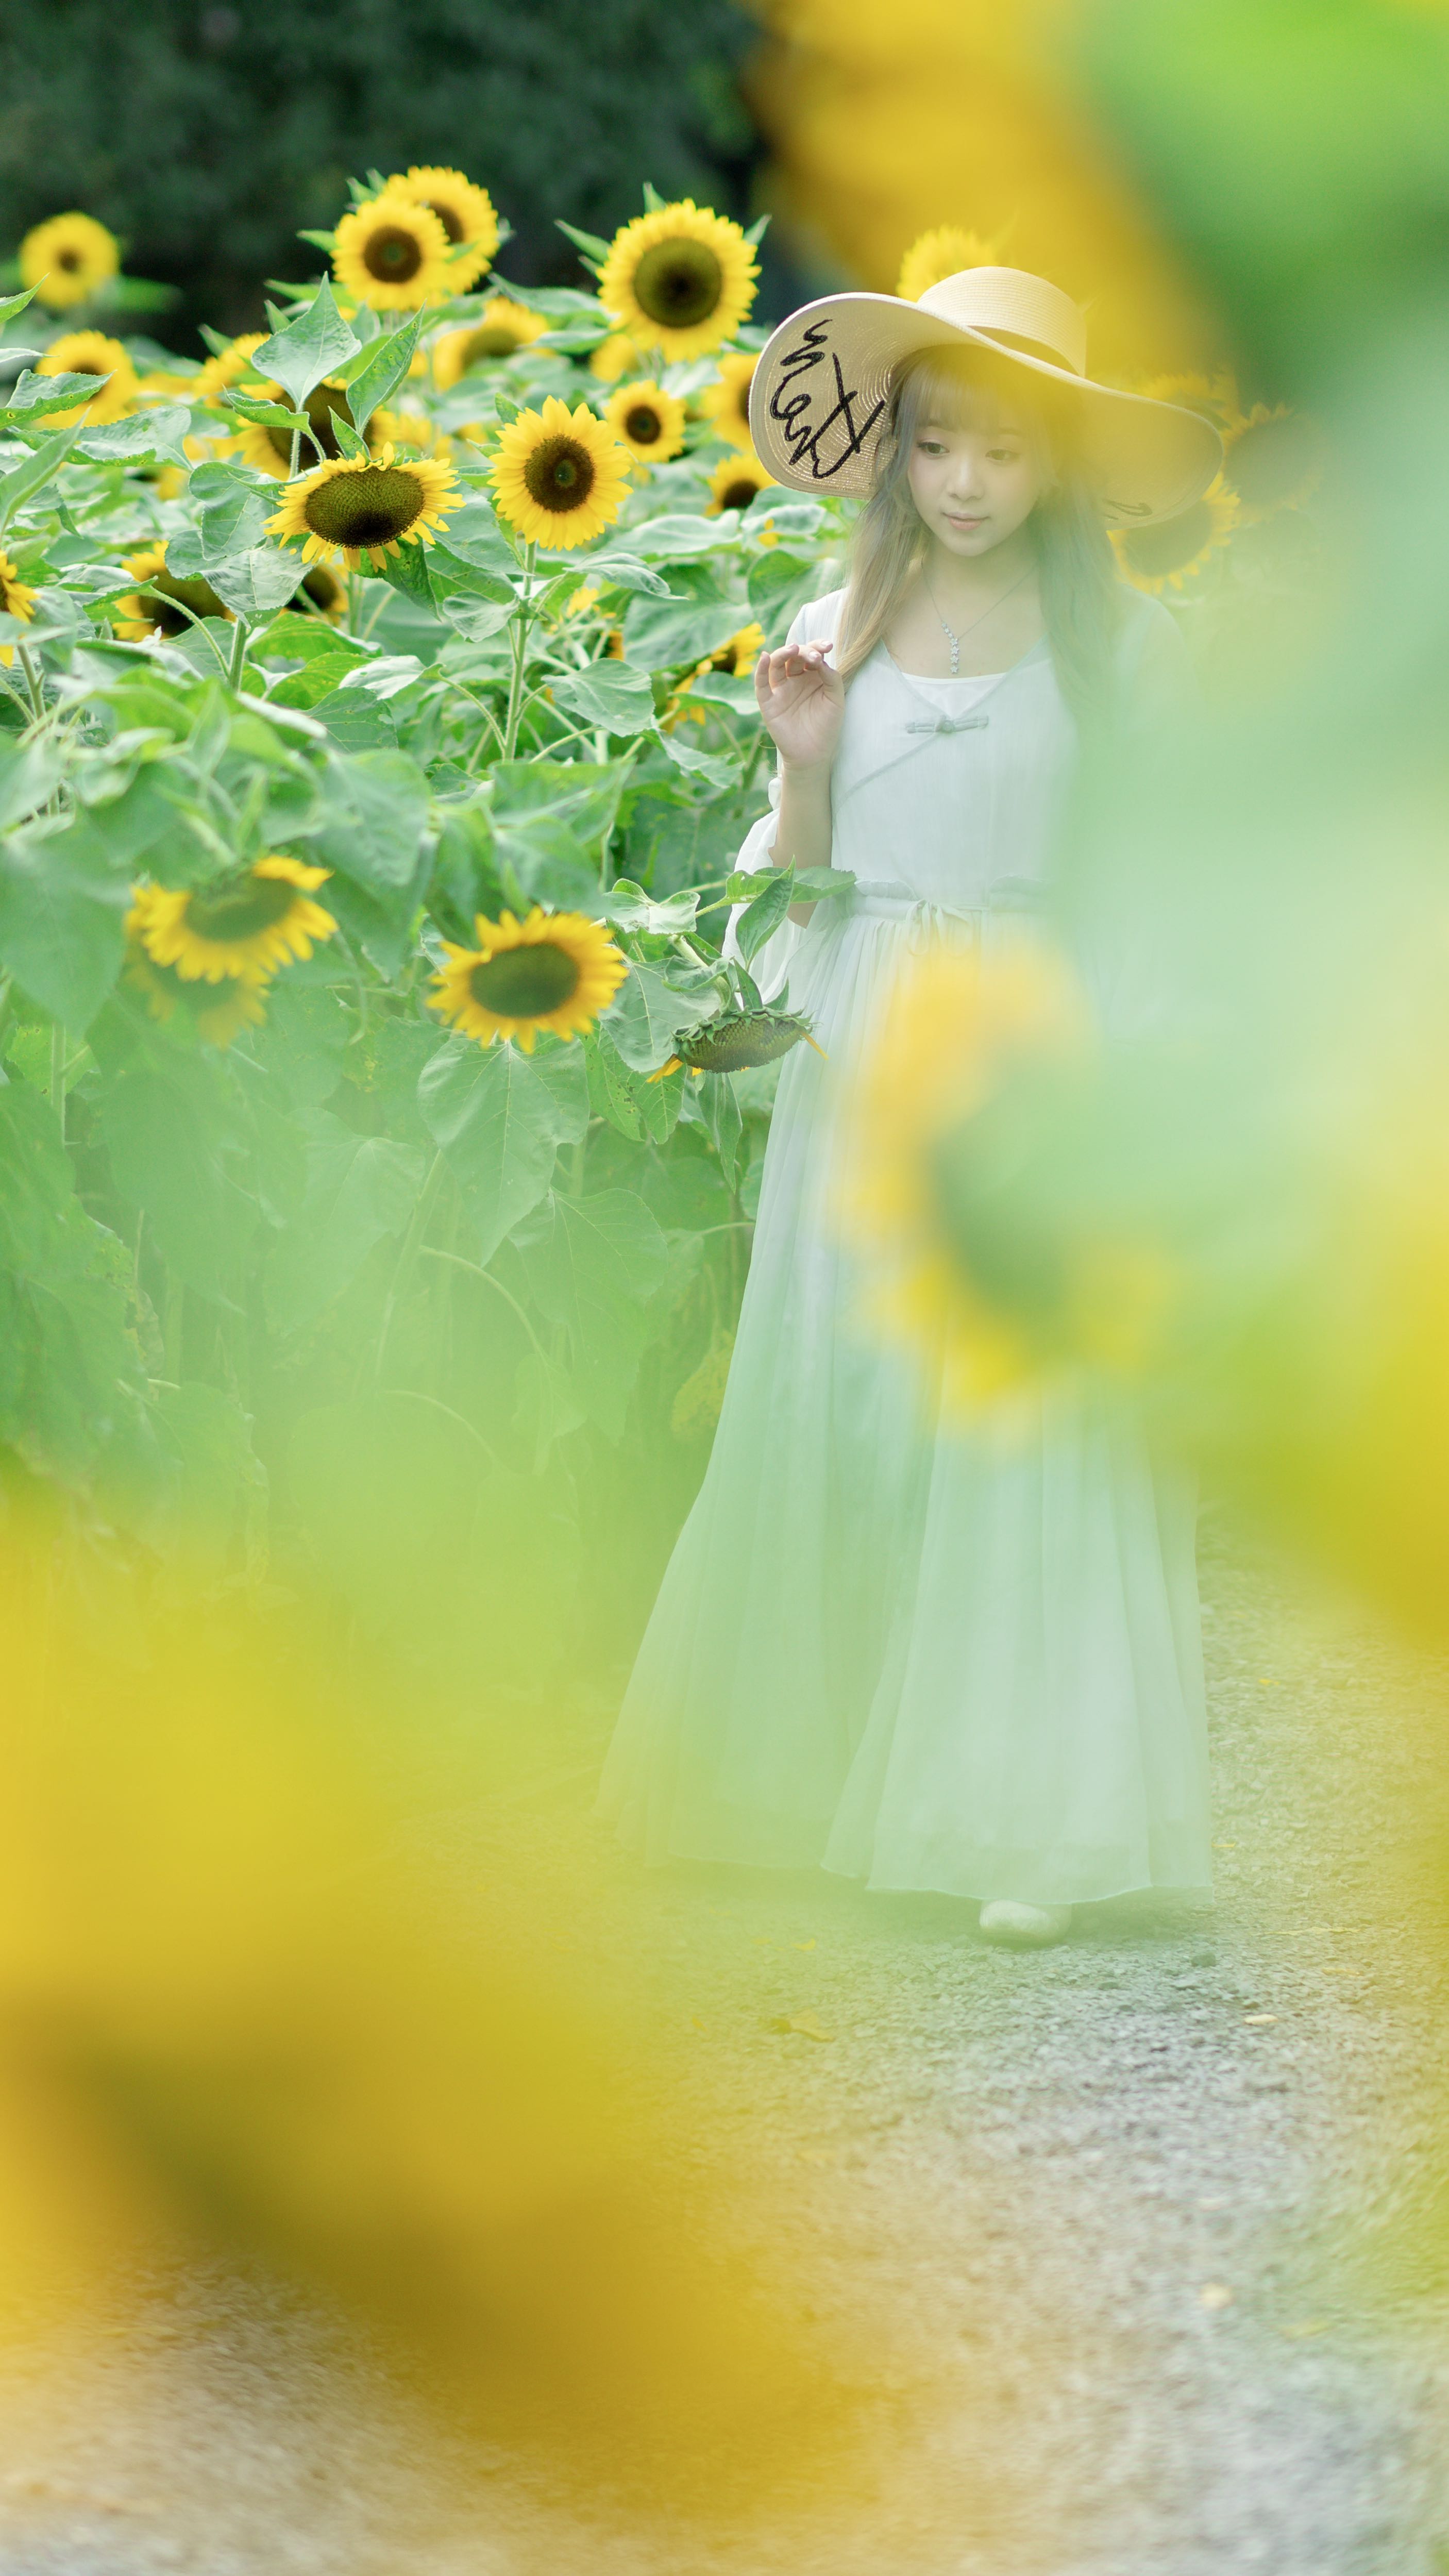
(1137, 2212)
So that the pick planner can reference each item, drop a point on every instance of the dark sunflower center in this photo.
(239, 908)
(643, 425)
(1269, 462)
(322, 587)
(560, 474)
(163, 588)
(88, 367)
(739, 495)
(319, 406)
(678, 283)
(370, 508)
(492, 340)
(447, 218)
(525, 983)
(393, 255)
(68, 259)
(1171, 544)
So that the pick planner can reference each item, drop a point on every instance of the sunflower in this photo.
(943, 253)
(559, 475)
(244, 926)
(957, 1030)
(404, 428)
(68, 259)
(615, 357)
(465, 212)
(726, 406)
(1173, 552)
(737, 656)
(227, 366)
(554, 970)
(151, 608)
(647, 420)
(681, 280)
(17, 599)
(392, 253)
(1274, 459)
(364, 506)
(325, 593)
(1215, 397)
(220, 1011)
(90, 353)
(735, 482)
(502, 328)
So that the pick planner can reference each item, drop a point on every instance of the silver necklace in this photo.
(952, 638)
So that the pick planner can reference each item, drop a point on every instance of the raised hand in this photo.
(802, 701)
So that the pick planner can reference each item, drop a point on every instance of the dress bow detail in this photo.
(951, 724)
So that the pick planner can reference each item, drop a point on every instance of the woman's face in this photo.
(975, 484)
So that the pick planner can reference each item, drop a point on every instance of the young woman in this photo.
(917, 1655)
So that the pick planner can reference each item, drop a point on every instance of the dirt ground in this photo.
(1150, 2218)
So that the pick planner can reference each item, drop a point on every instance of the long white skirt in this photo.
(918, 1655)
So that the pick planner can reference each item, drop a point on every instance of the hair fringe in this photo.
(1081, 595)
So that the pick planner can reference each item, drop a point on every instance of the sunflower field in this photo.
(382, 1109)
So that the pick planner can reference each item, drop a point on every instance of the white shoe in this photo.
(1026, 1927)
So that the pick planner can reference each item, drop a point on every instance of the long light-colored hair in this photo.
(1080, 593)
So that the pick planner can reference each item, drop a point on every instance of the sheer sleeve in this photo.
(770, 969)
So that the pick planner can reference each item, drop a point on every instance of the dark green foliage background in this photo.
(206, 135)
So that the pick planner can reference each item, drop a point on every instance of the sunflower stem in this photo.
(32, 682)
(407, 1258)
(240, 641)
(57, 1074)
(296, 457)
(522, 620)
(354, 602)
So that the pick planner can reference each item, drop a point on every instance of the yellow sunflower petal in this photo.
(502, 328)
(392, 253)
(726, 406)
(943, 253)
(1171, 553)
(646, 420)
(554, 971)
(734, 483)
(91, 353)
(157, 605)
(243, 927)
(559, 476)
(17, 599)
(466, 213)
(68, 259)
(360, 507)
(681, 279)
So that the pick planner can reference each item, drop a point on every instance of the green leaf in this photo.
(384, 364)
(626, 572)
(10, 305)
(609, 694)
(147, 433)
(595, 249)
(359, 1190)
(265, 415)
(593, 1273)
(377, 814)
(450, 574)
(309, 348)
(18, 485)
(633, 909)
(31, 396)
(407, 571)
(61, 927)
(256, 584)
(215, 1487)
(174, 1149)
(646, 1015)
(675, 534)
(611, 1089)
(348, 442)
(475, 535)
(779, 584)
(26, 778)
(500, 1118)
(763, 916)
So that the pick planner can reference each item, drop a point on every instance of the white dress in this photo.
(900, 1651)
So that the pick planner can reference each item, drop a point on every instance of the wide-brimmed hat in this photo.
(821, 391)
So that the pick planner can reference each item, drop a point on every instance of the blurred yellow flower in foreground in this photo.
(236, 2023)
(1000, 1309)
(92, 353)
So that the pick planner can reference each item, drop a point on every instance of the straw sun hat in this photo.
(821, 391)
